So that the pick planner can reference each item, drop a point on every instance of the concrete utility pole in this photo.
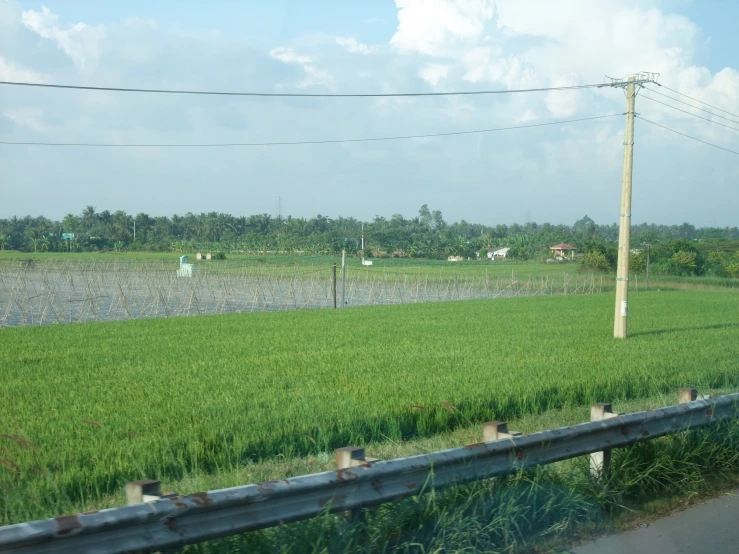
(632, 84)
(649, 251)
(624, 233)
(333, 279)
(343, 278)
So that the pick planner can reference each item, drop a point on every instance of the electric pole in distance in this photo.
(632, 84)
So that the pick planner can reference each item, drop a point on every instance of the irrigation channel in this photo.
(47, 292)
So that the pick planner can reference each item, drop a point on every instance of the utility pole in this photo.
(333, 282)
(632, 84)
(343, 278)
(624, 234)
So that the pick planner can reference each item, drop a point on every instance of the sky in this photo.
(555, 173)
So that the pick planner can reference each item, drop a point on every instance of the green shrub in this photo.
(597, 260)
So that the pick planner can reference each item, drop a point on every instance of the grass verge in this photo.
(539, 510)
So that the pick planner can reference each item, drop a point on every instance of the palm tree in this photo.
(88, 217)
(70, 223)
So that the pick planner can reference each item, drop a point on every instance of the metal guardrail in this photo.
(173, 522)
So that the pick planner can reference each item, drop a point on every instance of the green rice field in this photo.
(86, 407)
(279, 262)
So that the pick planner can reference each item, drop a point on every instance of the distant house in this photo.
(456, 258)
(186, 269)
(563, 250)
(499, 253)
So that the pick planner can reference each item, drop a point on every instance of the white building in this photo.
(186, 269)
(500, 253)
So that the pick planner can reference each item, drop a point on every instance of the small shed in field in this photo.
(563, 250)
(186, 269)
(500, 253)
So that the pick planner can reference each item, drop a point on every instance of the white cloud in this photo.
(288, 55)
(563, 103)
(434, 72)
(486, 64)
(10, 71)
(313, 75)
(29, 117)
(529, 115)
(558, 44)
(351, 45)
(433, 26)
(80, 42)
(590, 39)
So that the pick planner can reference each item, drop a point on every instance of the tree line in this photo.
(681, 248)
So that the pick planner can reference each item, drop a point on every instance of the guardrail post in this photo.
(687, 395)
(496, 430)
(352, 456)
(600, 462)
(348, 457)
(146, 490)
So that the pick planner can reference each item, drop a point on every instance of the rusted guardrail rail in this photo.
(172, 521)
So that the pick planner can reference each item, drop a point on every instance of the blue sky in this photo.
(555, 174)
(261, 23)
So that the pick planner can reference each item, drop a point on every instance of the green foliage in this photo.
(597, 260)
(717, 257)
(605, 254)
(219, 256)
(103, 404)
(426, 236)
(732, 270)
(637, 262)
(684, 262)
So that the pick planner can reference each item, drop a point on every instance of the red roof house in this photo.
(563, 250)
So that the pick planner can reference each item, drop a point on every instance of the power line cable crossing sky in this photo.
(689, 113)
(306, 142)
(300, 94)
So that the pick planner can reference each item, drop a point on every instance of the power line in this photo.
(653, 91)
(696, 100)
(689, 113)
(301, 142)
(689, 136)
(297, 95)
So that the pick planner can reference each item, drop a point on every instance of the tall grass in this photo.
(515, 513)
(85, 408)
